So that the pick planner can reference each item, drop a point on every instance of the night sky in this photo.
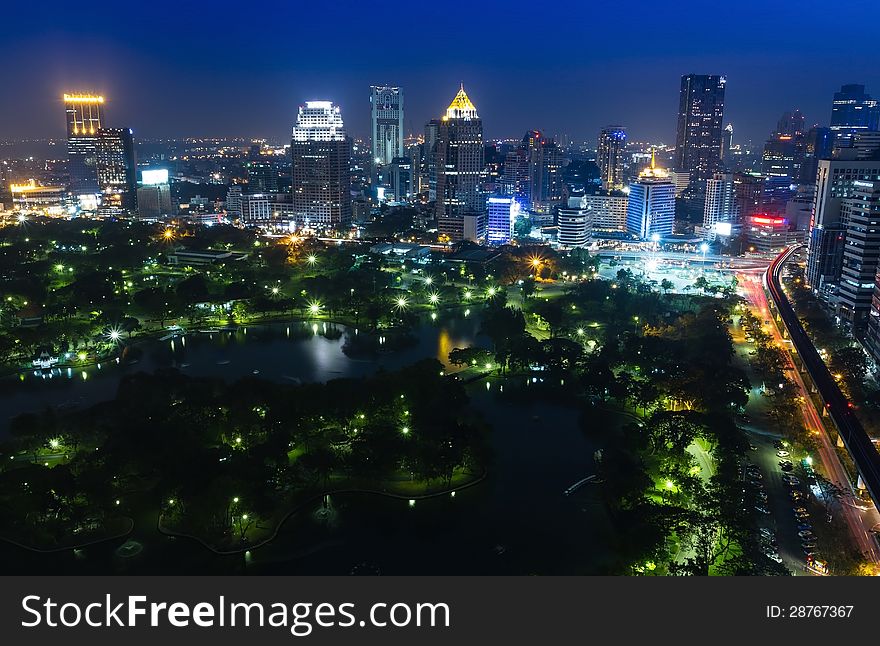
(241, 68)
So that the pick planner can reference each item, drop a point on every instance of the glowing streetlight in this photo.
(405, 430)
(114, 335)
(468, 294)
(312, 259)
(434, 298)
(491, 291)
(54, 443)
(168, 234)
(274, 290)
(428, 280)
(401, 303)
(314, 308)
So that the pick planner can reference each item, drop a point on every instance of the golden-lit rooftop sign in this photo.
(83, 98)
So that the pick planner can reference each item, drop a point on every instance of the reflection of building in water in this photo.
(444, 346)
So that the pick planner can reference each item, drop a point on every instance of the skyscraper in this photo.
(502, 213)
(320, 167)
(546, 162)
(85, 117)
(720, 211)
(575, 223)
(700, 130)
(609, 156)
(853, 110)
(834, 184)
(116, 171)
(860, 214)
(386, 124)
(516, 175)
(458, 160)
(784, 151)
(261, 176)
(650, 209)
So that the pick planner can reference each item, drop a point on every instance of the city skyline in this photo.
(580, 90)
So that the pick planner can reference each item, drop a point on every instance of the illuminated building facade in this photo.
(400, 178)
(458, 160)
(501, 215)
(609, 156)
(700, 129)
(770, 233)
(546, 163)
(720, 210)
(117, 172)
(852, 111)
(36, 199)
(650, 210)
(386, 120)
(85, 117)
(575, 223)
(608, 210)
(835, 180)
(320, 167)
(860, 215)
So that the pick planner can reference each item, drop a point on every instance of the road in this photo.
(858, 521)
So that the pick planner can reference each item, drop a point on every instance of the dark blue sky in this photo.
(241, 68)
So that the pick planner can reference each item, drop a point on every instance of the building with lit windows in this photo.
(32, 198)
(117, 172)
(262, 177)
(650, 211)
(386, 124)
(515, 180)
(860, 215)
(770, 233)
(610, 155)
(607, 210)
(835, 180)
(700, 129)
(458, 162)
(85, 117)
(853, 110)
(575, 223)
(546, 162)
(501, 214)
(320, 154)
(720, 209)
(400, 178)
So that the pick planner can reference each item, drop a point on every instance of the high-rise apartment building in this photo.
(700, 128)
(608, 210)
(85, 117)
(720, 210)
(546, 163)
(320, 167)
(458, 160)
(610, 155)
(262, 177)
(116, 170)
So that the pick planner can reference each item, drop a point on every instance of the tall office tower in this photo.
(432, 129)
(818, 144)
(575, 223)
(608, 210)
(233, 202)
(386, 125)
(784, 151)
(834, 183)
(320, 167)
(726, 143)
(545, 175)
(261, 177)
(748, 192)
(609, 156)
(461, 204)
(516, 175)
(720, 210)
(650, 209)
(116, 171)
(860, 215)
(853, 110)
(400, 177)
(501, 216)
(866, 144)
(700, 130)
(85, 117)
